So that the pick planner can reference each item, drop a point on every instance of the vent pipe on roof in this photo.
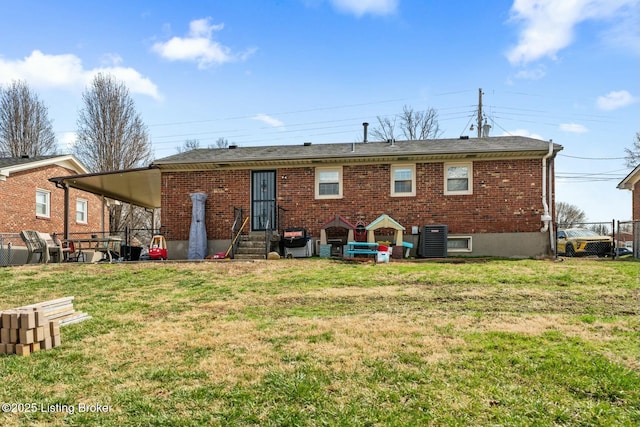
(24, 156)
(232, 146)
(365, 125)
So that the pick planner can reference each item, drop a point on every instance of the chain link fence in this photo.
(7, 243)
(585, 239)
(614, 239)
(627, 239)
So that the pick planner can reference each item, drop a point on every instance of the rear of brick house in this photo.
(29, 201)
(495, 195)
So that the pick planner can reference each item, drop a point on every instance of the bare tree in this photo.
(419, 125)
(414, 125)
(632, 158)
(222, 143)
(25, 128)
(188, 145)
(568, 215)
(112, 136)
(386, 128)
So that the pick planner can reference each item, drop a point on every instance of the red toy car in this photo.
(158, 248)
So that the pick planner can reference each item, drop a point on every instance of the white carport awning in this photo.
(140, 187)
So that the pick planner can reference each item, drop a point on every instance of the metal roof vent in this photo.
(232, 146)
(306, 144)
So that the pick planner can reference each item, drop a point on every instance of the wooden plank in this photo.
(46, 343)
(80, 317)
(26, 336)
(54, 327)
(49, 302)
(27, 319)
(39, 334)
(23, 349)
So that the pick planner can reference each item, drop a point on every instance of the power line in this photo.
(592, 158)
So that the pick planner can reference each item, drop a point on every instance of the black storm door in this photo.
(263, 200)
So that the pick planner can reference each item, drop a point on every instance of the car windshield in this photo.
(581, 233)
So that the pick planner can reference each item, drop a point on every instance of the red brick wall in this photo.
(636, 202)
(506, 198)
(18, 203)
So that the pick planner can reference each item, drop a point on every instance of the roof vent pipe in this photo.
(365, 125)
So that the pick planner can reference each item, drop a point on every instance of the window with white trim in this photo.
(82, 211)
(43, 203)
(458, 178)
(403, 180)
(459, 244)
(329, 183)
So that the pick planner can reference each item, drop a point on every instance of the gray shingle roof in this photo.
(14, 161)
(337, 151)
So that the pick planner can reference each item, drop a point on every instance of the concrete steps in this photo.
(251, 246)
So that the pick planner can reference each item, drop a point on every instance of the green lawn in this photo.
(319, 342)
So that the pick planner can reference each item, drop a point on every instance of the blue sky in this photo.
(290, 71)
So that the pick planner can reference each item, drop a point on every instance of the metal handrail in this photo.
(280, 218)
(267, 239)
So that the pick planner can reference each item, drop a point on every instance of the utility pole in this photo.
(480, 113)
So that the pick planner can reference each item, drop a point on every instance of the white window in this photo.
(459, 244)
(403, 180)
(81, 211)
(43, 203)
(329, 183)
(458, 178)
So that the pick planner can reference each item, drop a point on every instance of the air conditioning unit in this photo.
(433, 241)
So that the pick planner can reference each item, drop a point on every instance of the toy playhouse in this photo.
(334, 235)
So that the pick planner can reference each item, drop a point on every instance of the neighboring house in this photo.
(632, 182)
(495, 195)
(29, 201)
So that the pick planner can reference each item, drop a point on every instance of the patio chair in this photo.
(34, 245)
(53, 246)
(71, 253)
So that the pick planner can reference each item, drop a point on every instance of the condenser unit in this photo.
(433, 241)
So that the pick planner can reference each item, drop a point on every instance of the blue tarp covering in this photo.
(198, 231)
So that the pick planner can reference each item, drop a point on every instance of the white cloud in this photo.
(67, 72)
(548, 25)
(616, 99)
(363, 7)
(573, 128)
(268, 120)
(198, 46)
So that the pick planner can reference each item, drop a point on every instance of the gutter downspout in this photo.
(546, 176)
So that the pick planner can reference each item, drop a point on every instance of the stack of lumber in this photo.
(23, 332)
(60, 309)
(36, 327)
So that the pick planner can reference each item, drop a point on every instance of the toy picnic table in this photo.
(362, 248)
